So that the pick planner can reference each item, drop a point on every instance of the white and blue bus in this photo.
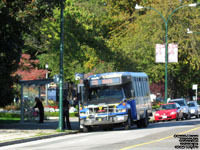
(116, 99)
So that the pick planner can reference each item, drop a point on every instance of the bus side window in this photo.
(139, 87)
(146, 87)
(135, 87)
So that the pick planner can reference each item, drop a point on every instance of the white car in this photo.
(194, 108)
(184, 107)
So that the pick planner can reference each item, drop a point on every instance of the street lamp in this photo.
(191, 32)
(61, 68)
(46, 88)
(166, 31)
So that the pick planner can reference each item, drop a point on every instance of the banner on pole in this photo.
(172, 53)
(160, 53)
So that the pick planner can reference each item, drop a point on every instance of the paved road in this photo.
(155, 137)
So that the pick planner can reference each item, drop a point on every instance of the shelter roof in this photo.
(36, 82)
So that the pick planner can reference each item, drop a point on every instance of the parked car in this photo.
(169, 111)
(184, 107)
(194, 108)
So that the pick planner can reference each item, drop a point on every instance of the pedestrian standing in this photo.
(66, 107)
(40, 106)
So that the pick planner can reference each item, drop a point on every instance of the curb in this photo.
(35, 138)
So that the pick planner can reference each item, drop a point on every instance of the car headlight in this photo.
(157, 114)
(172, 113)
(192, 110)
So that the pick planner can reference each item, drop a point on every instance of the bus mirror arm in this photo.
(124, 99)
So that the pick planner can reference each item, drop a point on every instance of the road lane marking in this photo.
(137, 145)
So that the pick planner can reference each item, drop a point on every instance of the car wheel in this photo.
(188, 116)
(177, 118)
(197, 116)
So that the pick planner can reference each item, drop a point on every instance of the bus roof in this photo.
(116, 74)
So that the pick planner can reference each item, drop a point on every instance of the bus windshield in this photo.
(105, 95)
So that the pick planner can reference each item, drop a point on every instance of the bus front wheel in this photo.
(86, 129)
(128, 123)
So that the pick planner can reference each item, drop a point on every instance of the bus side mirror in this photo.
(132, 93)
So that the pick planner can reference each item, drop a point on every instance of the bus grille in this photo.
(104, 109)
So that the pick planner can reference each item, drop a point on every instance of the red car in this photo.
(168, 111)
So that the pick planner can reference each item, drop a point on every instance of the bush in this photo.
(12, 107)
(52, 103)
(9, 115)
(56, 114)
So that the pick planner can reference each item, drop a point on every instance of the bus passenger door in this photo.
(133, 109)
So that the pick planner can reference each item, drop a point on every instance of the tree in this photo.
(85, 47)
(18, 18)
(28, 69)
(137, 34)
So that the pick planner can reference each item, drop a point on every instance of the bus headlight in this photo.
(121, 110)
(84, 113)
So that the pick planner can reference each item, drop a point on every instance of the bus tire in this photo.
(128, 122)
(139, 123)
(86, 129)
(145, 121)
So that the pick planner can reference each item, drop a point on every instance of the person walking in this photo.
(66, 107)
(40, 106)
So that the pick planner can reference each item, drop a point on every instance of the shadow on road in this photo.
(48, 124)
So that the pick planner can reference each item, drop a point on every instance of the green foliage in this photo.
(84, 43)
(136, 39)
(100, 36)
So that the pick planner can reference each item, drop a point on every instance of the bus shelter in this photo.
(28, 83)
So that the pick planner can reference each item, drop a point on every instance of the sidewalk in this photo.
(29, 131)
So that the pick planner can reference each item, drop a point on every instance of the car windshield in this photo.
(167, 107)
(181, 103)
(191, 105)
(105, 95)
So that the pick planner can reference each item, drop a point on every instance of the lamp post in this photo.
(46, 88)
(61, 68)
(195, 86)
(166, 31)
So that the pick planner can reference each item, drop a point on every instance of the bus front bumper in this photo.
(103, 120)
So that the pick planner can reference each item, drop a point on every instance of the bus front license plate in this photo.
(120, 118)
